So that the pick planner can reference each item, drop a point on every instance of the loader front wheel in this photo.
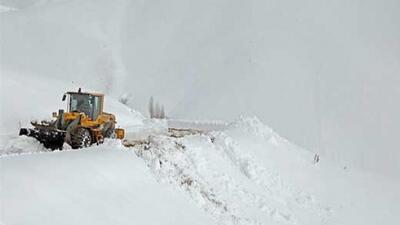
(80, 138)
(110, 132)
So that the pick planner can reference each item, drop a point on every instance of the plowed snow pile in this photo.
(250, 175)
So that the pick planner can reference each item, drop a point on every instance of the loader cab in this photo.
(89, 103)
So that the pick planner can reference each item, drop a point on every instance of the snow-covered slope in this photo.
(245, 175)
(324, 74)
(101, 185)
(317, 71)
(73, 41)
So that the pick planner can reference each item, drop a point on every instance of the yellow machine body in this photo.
(82, 124)
(93, 124)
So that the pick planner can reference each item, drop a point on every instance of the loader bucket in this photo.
(119, 133)
(52, 139)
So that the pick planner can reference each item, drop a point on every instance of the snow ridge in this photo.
(227, 182)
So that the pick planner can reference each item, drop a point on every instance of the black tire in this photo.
(110, 132)
(81, 138)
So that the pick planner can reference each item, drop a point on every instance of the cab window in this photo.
(88, 104)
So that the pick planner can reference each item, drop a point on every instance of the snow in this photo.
(322, 75)
(249, 175)
(245, 174)
(20, 107)
(100, 185)
(344, 195)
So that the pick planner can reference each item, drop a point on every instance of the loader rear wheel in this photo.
(80, 138)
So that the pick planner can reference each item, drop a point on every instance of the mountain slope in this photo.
(324, 74)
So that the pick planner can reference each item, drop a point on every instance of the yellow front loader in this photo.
(83, 124)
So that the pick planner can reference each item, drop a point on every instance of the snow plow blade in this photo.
(52, 139)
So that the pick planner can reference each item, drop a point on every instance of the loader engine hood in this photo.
(72, 115)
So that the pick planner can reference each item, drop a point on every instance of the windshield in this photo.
(88, 104)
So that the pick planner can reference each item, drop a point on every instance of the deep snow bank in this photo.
(100, 185)
(248, 174)
(334, 193)
(244, 175)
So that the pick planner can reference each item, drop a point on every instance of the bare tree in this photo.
(151, 107)
(162, 113)
(157, 110)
